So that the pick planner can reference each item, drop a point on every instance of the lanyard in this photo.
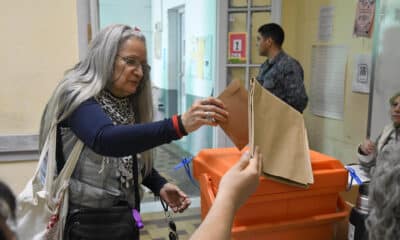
(173, 234)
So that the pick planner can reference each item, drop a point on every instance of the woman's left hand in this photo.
(177, 200)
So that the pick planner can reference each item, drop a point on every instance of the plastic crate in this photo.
(315, 226)
(274, 201)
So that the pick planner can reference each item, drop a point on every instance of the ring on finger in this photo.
(209, 117)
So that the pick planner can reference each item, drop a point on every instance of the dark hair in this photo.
(8, 197)
(273, 31)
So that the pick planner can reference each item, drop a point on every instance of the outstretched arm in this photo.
(235, 187)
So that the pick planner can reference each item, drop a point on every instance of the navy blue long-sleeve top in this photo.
(95, 128)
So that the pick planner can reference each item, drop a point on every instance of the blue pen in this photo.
(138, 218)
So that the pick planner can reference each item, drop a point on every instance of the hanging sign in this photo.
(364, 22)
(237, 47)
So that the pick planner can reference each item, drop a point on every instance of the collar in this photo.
(277, 58)
(123, 101)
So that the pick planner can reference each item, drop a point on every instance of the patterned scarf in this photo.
(121, 113)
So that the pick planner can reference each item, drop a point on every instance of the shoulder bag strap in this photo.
(136, 182)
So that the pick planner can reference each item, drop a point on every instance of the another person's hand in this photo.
(367, 147)
(177, 200)
(210, 111)
(242, 179)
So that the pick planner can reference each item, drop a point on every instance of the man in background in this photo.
(281, 74)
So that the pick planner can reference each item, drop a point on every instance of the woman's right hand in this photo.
(210, 111)
(367, 147)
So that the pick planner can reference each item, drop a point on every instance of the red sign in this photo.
(237, 47)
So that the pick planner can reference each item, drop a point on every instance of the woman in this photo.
(368, 150)
(105, 101)
(383, 221)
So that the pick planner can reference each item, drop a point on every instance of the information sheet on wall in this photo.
(327, 81)
(325, 30)
(362, 73)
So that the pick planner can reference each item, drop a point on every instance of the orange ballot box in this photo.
(277, 210)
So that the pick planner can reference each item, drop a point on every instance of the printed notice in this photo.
(327, 81)
(364, 21)
(326, 15)
(362, 73)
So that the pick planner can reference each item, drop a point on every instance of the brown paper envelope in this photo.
(279, 131)
(235, 98)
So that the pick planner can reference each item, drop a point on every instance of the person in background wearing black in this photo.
(280, 74)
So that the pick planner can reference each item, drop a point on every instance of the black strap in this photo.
(173, 233)
(136, 183)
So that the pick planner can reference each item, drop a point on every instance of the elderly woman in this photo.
(105, 101)
(368, 150)
(383, 221)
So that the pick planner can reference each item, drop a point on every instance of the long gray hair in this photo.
(93, 74)
(383, 221)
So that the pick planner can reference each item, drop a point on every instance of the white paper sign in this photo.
(362, 73)
(326, 15)
(327, 81)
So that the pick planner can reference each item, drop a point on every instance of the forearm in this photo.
(218, 222)
(154, 181)
(125, 140)
(96, 129)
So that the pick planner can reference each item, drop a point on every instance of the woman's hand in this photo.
(177, 200)
(210, 111)
(367, 147)
(241, 180)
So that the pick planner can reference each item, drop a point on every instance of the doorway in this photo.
(176, 59)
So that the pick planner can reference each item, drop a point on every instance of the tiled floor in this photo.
(156, 227)
(167, 157)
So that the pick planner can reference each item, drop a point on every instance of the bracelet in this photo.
(176, 125)
(181, 127)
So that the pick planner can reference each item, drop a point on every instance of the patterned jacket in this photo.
(283, 77)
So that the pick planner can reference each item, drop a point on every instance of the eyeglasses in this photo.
(133, 62)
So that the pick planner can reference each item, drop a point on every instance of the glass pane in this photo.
(236, 73)
(238, 3)
(260, 3)
(237, 24)
(253, 72)
(386, 59)
(257, 19)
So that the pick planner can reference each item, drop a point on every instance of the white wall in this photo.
(133, 13)
(200, 20)
(160, 16)
(39, 42)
